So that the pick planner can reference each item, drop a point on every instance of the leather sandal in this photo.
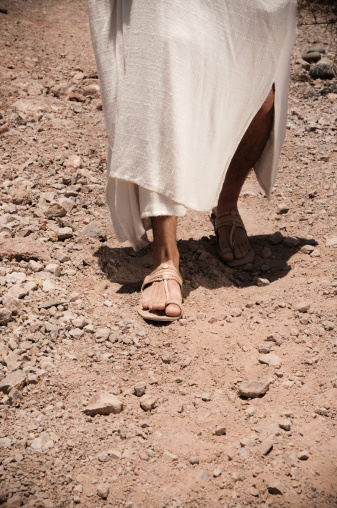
(233, 219)
(162, 274)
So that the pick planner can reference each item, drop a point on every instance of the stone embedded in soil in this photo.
(282, 208)
(254, 388)
(16, 379)
(42, 443)
(193, 460)
(103, 404)
(262, 282)
(285, 423)
(94, 230)
(103, 491)
(307, 249)
(140, 388)
(265, 447)
(312, 57)
(331, 241)
(303, 455)
(5, 316)
(317, 49)
(276, 238)
(169, 457)
(23, 248)
(276, 488)
(148, 402)
(271, 359)
(220, 431)
(303, 306)
(166, 357)
(54, 210)
(323, 70)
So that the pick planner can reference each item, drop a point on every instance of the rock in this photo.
(64, 233)
(217, 473)
(303, 306)
(194, 460)
(148, 402)
(23, 248)
(312, 57)
(276, 238)
(285, 423)
(323, 70)
(94, 230)
(316, 49)
(331, 241)
(271, 359)
(5, 442)
(262, 282)
(282, 208)
(21, 290)
(54, 268)
(166, 357)
(3, 9)
(291, 242)
(48, 285)
(5, 316)
(11, 303)
(265, 447)
(303, 455)
(266, 252)
(42, 443)
(104, 457)
(307, 249)
(169, 457)
(22, 197)
(220, 431)
(74, 162)
(103, 404)
(206, 397)
(185, 363)
(290, 459)
(254, 388)
(103, 491)
(276, 488)
(102, 334)
(16, 379)
(263, 348)
(140, 388)
(54, 210)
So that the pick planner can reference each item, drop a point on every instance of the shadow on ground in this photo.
(200, 265)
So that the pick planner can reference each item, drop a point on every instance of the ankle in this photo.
(226, 207)
(165, 254)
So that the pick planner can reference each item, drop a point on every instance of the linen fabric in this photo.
(180, 84)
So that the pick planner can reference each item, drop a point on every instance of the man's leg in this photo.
(245, 157)
(165, 250)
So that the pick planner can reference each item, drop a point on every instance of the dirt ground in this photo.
(186, 436)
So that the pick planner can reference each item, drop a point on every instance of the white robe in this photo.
(180, 83)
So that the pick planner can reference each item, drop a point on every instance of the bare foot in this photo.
(154, 297)
(240, 239)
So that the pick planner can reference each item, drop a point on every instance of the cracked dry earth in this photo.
(235, 404)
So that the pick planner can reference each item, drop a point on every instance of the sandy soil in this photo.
(70, 291)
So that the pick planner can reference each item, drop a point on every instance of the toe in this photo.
(172, 310)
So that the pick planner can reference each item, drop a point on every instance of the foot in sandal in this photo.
(233, 246)
(161, 294)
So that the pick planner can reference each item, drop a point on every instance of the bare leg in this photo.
(245, 157)
(164, 251)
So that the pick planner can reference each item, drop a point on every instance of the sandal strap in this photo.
(163, 273)
(231, 218)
